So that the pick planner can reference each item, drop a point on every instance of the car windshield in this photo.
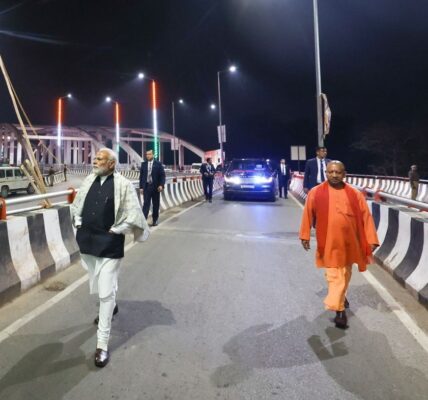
(249, 165)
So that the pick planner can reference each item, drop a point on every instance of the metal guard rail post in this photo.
(379, 196)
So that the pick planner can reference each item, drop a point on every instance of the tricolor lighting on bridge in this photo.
(117, 129)
(59, 120)
(58, 138)
(155, 121)
(116, 123)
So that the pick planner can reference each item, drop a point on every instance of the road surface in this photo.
(221, 303)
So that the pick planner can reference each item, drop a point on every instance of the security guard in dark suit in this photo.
(315, 169)
(208, 171)
(283, 178)
(152, 182)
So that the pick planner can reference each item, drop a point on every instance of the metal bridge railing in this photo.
(69, 194)
(382, 189)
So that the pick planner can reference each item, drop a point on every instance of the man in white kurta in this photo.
(104, 210)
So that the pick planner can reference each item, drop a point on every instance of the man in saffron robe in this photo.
(345, 234)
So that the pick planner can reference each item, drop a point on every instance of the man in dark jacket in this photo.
(104, 210)
(152, 182)
(315, 169)
(283, 178)
(208, 171)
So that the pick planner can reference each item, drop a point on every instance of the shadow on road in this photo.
(359, 360)
(59, 362)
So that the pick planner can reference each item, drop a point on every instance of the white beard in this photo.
(101, 171)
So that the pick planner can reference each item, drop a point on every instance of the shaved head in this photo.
(338, 163)
(336, 173)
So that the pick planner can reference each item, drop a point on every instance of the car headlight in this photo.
(263, 179)
(236, 180)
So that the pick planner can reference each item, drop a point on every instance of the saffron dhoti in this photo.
(338, 282)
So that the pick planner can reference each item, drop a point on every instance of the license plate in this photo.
(247, 186)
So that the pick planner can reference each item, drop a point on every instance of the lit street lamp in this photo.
(221, 128)
(181, 101)
(59, 126)
(117, 123)
(213, 106)
(156, 147)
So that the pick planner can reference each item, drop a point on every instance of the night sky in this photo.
(374, 61)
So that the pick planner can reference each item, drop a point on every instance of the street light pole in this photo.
(116, 123)
(219, 119)
(59, 126)
(320, 131)
(173, 134)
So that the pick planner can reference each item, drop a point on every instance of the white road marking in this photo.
(19, 323)
(395, 307)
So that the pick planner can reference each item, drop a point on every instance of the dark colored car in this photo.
(249, 178)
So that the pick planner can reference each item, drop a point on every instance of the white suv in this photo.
(195, 168)
(12, 179)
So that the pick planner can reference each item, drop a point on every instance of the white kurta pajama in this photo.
(104, 272)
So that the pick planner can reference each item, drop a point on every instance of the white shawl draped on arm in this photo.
(127, 209)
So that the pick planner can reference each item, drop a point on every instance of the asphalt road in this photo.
(221, 303)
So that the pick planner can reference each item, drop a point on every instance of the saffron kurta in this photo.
(342, 246)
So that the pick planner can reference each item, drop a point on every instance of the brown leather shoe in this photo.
(341, 320)
(115, 311)
(102, 357)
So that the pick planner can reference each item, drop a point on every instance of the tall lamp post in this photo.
(156, 147)
(155, 121)
(59, 126)
(117, 123)
(181, 101)
(221, 128)
(320, 130)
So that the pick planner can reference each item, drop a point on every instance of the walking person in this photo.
(414, 181)
(208, 171)
(345, 234)
(152, 182)
(315, 169)
(51, 175)
(64, 170)
(283, 178)
(104, 210)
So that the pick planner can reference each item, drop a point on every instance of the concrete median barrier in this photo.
(403, 235)
(34, 246)
(10, 284)
(39, 245)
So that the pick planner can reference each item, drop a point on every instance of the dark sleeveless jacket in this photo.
(93, 236)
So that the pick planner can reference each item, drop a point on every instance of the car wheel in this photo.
(30, 189)
(272, 197)
(4, 191)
